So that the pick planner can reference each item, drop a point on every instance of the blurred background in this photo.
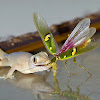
(16, 15)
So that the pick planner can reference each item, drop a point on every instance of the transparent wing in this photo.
(45, 33)
(80, 28)
(68, 54)
(83, 37)
(79, 35)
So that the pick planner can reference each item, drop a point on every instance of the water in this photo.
(43, 86)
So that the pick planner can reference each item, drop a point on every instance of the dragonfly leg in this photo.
(68, 86)
(56, 85)
(67, 68)
(54, 67)
(82, 67)
(82, 84)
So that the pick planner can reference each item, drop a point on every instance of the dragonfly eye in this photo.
(47, 37)
(34, 60)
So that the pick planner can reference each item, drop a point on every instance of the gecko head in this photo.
(39, 62)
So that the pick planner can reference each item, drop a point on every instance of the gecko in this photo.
(24, 62)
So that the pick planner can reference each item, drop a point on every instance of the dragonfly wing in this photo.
(45, 34)
(80, 28)
(68, 54)
(81, 31)
(81, 38)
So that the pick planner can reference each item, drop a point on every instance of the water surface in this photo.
(43, 86)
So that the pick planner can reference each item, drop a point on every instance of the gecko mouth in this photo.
(42, 65)
(46, 64)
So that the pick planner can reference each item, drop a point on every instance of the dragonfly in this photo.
(77, 43)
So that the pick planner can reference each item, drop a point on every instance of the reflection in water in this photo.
(42, 89)
(69, 94)
(35, 82)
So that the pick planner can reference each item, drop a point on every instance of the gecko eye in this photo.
(34, 60)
